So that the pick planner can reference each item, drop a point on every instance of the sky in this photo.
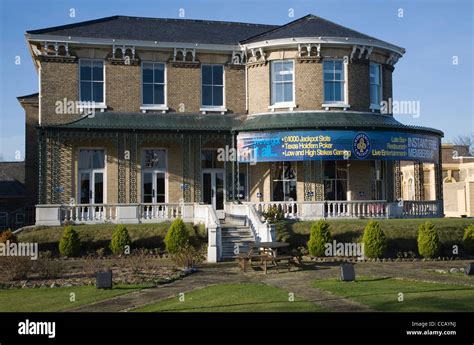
(436, 70)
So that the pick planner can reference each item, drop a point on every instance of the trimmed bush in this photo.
(8, 235)
(177, 236)
(69, 245)
(375, 242)
(468, 239)
(318, 237)
(428, 240)
(120, 240)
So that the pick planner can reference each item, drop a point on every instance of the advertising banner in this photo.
(336, 145)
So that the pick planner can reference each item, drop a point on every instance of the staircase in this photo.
(234, 232)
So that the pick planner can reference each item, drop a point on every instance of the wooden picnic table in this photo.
(265, 252)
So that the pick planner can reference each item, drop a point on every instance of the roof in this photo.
(326, 119)
(308, 26)
(200, 31)
(31, 98)
(266, 121)
(153, 121)
(12, 177)
(159, 29)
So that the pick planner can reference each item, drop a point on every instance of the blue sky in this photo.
(433, 32)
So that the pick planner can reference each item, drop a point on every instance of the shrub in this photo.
(14, 268)
(468, 239)
(273, 214)
(176, 237)
(8, 235)
(375, 242)
(120, 239)
(69, 245)
(46, 267)
(188, 256)
(428, 240)
(318, 237)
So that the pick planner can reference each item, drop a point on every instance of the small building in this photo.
(458, 181)
(143, 120)
(16, 206)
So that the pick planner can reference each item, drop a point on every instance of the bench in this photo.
(245, 260)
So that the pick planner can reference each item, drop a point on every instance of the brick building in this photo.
(142, 119)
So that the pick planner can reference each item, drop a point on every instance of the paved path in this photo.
(205, 277)
(298, 282)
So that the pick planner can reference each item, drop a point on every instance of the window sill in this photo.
(374, 107)
(205, 110)
(163, 108)
(92, 106)
(344, 106)
(290, 106)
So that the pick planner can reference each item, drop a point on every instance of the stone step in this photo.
(233, 226)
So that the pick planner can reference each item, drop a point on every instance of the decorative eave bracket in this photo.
(310, 52)
(364, 52)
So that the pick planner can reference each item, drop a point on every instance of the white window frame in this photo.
(86, 104)
(374, 106)
(162, 107)
(91, 172)
(154, 170)
(218, 108)
(345, 72)
(275, 105)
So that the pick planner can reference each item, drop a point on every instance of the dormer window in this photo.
(283, 81)
(92, 81)
(375, 71)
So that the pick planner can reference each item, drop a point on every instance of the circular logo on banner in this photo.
(361, 145)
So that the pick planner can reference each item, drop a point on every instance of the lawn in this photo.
(98, 235)
(382, 294)
(57, 299)
(244, 297)
(401, 233)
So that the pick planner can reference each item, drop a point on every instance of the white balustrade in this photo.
(356, 209)
(289, 209)
(163, 211)
(421, 209)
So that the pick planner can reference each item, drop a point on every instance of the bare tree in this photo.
(465, 140)
(462, 140)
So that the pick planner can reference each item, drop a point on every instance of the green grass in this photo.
(401, 233)
(57, 299)
(244, 297)
(98, 235)
(382, 294)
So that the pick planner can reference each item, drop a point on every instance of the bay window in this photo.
(375, 71)
(282, 80)
(334, 81)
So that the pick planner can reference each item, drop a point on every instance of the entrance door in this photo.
(213, 190)
(91, 187)
(91, 176)
(154, 187)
